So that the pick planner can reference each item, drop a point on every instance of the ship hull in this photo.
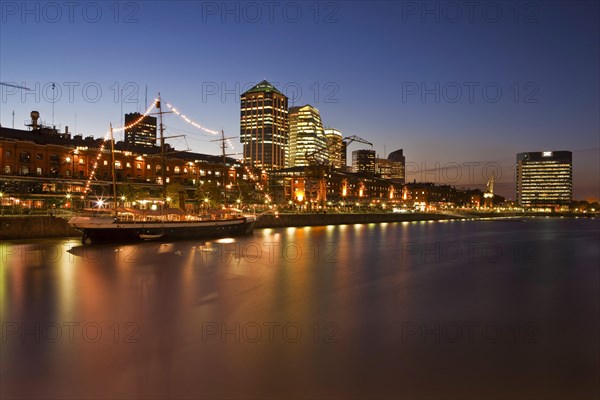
(96, 230)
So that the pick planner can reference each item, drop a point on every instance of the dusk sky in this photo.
(389, 72)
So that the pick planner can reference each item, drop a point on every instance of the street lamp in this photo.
(69, 160)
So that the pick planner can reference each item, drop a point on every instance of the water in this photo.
(461, 309)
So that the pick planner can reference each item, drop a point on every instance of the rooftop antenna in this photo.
(122, 123)
(53, 101)
(146, 99)
(13, 114)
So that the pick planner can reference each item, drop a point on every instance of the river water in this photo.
(450, 309)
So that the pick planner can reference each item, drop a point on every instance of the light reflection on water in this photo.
(368, 310)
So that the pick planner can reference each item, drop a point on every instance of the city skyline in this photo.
(392, 94)
(299, 199)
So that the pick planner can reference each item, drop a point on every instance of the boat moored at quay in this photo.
(120, 224)
(131, 225)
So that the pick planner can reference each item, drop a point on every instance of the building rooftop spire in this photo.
(263, 86)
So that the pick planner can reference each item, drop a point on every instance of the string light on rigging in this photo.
(102, 146)
(195, 124)
(92, 175)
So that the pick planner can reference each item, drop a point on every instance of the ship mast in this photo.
(225, 174)
(114, 177)
(163, 161)
(163, 153)
(224, 169)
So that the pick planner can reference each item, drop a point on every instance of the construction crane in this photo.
(488, 196)
(346, 142)
(15, 86)
(18, 87)
(354, 138)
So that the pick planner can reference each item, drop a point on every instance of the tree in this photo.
(133, 192)
(176, 192)
(209, 194)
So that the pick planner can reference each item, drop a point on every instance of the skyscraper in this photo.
(334, 146)
(363, 161)
(398, 172)
(264, 126)
(142, 134)
(544, 179)
(307, 140)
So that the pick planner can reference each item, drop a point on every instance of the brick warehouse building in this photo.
(323, 185)
(44, 164)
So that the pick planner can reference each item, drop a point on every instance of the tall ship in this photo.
(121, 224)
(130, 225)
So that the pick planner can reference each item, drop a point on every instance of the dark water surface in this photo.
(463, 309)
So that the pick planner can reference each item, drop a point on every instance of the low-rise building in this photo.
(44, 164)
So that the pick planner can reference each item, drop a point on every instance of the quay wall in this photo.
(298, 220)
(44, 226)
(34, 227)
(285, 220)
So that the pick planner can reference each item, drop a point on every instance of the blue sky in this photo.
(460, 88)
